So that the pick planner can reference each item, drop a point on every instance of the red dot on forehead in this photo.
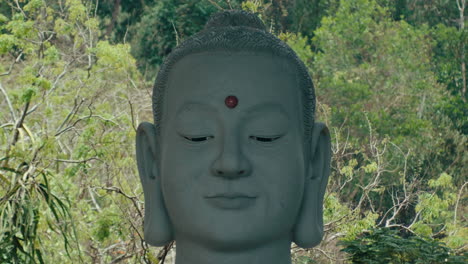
(231, 101)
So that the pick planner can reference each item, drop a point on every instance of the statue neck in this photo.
(275, 252)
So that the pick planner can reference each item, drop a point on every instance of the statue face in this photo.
(232, 178)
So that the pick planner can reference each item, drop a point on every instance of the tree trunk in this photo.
(115, 14)
(461, 7)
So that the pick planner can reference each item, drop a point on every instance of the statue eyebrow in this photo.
(189, 106)
(271, 106)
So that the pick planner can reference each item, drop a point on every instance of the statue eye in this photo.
(198, 139)
(265, 139)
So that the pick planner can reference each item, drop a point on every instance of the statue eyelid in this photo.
(197, 139)
(261, 139)
(265, 139)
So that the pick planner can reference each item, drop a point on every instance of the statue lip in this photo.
(231, 195)
(231, 200)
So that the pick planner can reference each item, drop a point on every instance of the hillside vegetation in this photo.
(76, 79)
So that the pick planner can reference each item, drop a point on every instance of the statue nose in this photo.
(231, 163)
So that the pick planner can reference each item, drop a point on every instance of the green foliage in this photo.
(66, 136)
(33, 5)
(304, 260)
(379, 91)
(300, 45)
(348, 222)
(448, 50)
(388, 82)
(251, 6)
(28, 93)
(384, 245)
(436, 211)
(373, 51)
(165, 25)
(308, 14)
(7, 42)
(104, 226)
(21, 215)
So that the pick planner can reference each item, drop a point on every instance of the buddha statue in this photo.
(234, 167)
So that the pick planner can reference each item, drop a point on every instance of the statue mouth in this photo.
(233, 201)
(230, 195)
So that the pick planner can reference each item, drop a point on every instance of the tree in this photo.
(389, 83)
(66, 167)
(388, 246)
(377, 90)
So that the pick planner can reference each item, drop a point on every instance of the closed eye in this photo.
(198, 139)
(265, 139)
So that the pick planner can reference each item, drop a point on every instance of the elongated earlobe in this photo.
(157, 225)
(308, 231)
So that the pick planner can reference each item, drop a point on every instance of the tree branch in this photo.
(10, 106)
(18, 125)
(11, 65)
(458, 201)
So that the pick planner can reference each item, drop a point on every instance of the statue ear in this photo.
(308, 231)
(157, 225)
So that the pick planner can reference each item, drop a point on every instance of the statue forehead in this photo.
(227, 76)
(245, 85)
(229, 72)
(223, 61)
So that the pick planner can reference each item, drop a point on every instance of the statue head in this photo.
(235, 160)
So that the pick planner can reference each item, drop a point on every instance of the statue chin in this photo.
(233, 239)
(226, 243)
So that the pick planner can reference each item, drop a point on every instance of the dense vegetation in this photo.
(76, 78)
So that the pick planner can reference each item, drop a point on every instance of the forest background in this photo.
(76, 79)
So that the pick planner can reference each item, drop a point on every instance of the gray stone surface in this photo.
(233, 181)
